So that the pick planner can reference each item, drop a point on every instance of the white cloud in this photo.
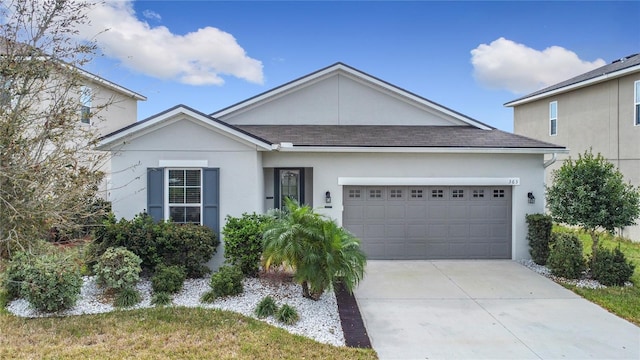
(505, 64)
(201, 57)
(152, 15)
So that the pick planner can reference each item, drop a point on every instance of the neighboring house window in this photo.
(184, 189)
(637, 103)
(85, 104)
(553, 118)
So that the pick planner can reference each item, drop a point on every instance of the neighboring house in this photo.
(121, 109)
(411, 178)
(598, 110)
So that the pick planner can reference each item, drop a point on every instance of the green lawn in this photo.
(155, 333)
(622, 301)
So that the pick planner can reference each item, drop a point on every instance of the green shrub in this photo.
(565, 257)
(160, 299)
(127, 297)
(266, 307)
(187, 245)
(226, 282)
(14, 275)
(208, 297)
(118, 268)
(52, 283)
(168, 279)
(243, 241)
(539, 237)
(167, 243)
(611, 268)
(287, 315)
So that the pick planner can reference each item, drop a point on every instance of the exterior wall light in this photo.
(327, 197)
(532, 199)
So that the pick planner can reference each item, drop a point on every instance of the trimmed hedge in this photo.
(243, 242)
(168, 279)
(539, 237)
(118, 268)
(226, 282)
(611, 268)
(565, 258)
(187, 245)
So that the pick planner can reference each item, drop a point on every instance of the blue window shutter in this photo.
(155, 193)
(211, 199)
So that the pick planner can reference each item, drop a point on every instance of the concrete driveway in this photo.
(484, 310)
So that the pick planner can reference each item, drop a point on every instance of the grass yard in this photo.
(157, 333)
(178, 333)
(622, 301)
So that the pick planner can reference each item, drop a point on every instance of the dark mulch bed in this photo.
(355, 334)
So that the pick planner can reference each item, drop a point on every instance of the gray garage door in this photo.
(405, 222)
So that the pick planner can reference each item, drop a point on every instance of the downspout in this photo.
(550, 162)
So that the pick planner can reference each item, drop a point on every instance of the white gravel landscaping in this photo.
(319, 320)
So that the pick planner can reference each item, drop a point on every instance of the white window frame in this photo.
(553, 118)
(636, 103)
(168, 205)
(86, 95)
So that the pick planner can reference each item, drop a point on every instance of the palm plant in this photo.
(321, 253)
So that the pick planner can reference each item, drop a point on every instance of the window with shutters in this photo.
(184, 194)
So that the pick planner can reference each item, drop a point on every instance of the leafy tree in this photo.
(592, 194)
(49, 174)
(321, 253)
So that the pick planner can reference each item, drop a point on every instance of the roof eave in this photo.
(436, 150)
(578, 85)
(119, 137)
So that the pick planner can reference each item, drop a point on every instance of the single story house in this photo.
(411, 178)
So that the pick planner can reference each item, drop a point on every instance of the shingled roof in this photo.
(606, 72)
(393, 136)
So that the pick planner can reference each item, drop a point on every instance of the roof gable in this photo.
(341, 95)
(171, 115)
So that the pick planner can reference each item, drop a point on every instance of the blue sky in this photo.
(211, 54)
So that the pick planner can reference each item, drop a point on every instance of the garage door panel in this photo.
(416, 212)
(437, 231)
(354, 212)
(480, 250)
(459, 231)
(479, 231)
(372, 231)
(374, 212)
(416, 250)
(396, 212)
(440, 222)
(395, 231)
(477, 212)
(417, 231)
